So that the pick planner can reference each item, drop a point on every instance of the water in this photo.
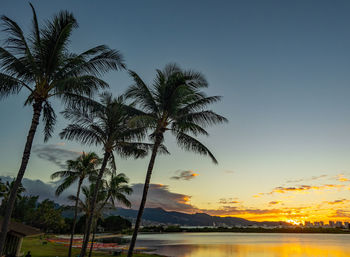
(247, 244)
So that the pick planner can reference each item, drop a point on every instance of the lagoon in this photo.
(247, 244)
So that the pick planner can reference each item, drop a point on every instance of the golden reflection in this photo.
(285, 250)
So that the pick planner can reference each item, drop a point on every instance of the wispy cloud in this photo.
(342, 178)
(301, 188)
(340, 201)
(184, 175)
(274, 202)
(55, 153)
(341, 213)
(307, 179)
(228, 201)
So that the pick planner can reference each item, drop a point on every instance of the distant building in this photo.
(339, 224)
(308, 224)
(332, 224)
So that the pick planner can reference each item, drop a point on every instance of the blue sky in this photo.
(282, 67)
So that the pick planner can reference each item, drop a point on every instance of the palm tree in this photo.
(175, 103)
(104, 124)
(5, 192)
(116, 190)
(42, 65)
(78, 170)
(85, 204)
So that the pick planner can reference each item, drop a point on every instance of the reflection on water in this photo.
(247, 245)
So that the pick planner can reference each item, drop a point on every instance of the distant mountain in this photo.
(153, 216)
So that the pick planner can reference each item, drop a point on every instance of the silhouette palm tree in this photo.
(105, 124)
(175, 103)
(5, 191)
(116, 189)
(85, 166)
(42, 65)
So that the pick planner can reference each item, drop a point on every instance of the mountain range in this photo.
(159, 216)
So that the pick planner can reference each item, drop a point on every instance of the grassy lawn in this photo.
(37, 249)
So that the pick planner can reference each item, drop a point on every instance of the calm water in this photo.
(247, 244)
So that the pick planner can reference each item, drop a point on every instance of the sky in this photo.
(282, 68)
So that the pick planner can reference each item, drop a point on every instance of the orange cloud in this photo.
(274, 202)
(302, 188)
(307, 179)
(341, 178)
(340, 201)
(185, 175)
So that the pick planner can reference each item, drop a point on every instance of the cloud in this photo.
(342, 214)
(274, 202)
(340, 201)
(184, 175)
(43, 190)
(232, 211)
(54, 153)
(307, 179)
(159, 196)
(228, 201)
(301, 188)
(229, 171)
(341, 178)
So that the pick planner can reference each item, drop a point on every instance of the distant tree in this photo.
(24, 208)
(48, 217)
(104, 123)
(115, 224)
(42, 65)
(176, 104)
(85, 166)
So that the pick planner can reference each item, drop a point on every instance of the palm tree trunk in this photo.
(93, 204)
(37, 107)
(93, 239)
(75, 218)
(144, 195)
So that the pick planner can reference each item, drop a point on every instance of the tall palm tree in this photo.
(104, 124)
(175, 103)
(42, 65)
(77, 171)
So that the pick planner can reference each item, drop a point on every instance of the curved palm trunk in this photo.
(93, 204)
(144, 195)
(75, 218)
(37, 107)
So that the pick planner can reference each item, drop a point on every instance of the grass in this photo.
(38, 249)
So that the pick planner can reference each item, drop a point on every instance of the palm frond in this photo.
(81, 134)
(61, 174)
(189, 143)
(206, 117)
(9, 85)
(67, 182)
(141, 93)
(49, 119)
